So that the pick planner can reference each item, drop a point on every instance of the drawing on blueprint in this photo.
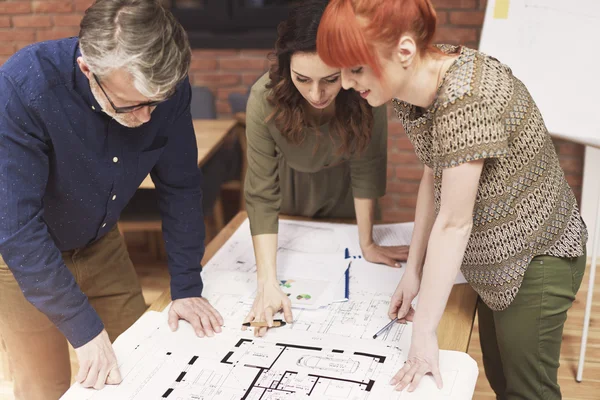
(308, 239)
(342, 366)
(273, 371)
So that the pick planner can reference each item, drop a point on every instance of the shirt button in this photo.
(115, 159)
(114, 196)
(93, 108)
(104, 224)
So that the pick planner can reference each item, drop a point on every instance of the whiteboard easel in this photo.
(549, 45)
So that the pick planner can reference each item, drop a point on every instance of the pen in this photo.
(276, 323)
(385, 328)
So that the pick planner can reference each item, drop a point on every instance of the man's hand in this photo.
(97, 363)
(388, 255)
(203, 317)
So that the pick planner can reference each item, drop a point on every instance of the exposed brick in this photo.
(17, 34)
(223, 107)
(249, 79)
(200, 64)
(574, 180)
(409, 172)
(19, 45)
(53, 6)
(473, 18)
(216, 80)
(42, 35)
(402, 187)
(445, 4)
(213, 53)
(403, 157)
(453, 35)
(442, 17)
(565, 148)
(82, 5)
(403, 143)
(4, 22)
(7, 49)
(571, 164)
(387, 202)
(391, 172)
(395, 215)
(32, 21)
(67, 20)
(256, 53)
(407, 200)
(15, 7)
(230, 64)
(395, 128)
(3, 60)
(223, 93)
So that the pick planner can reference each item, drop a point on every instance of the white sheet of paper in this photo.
(399, 234)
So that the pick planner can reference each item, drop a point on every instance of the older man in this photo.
(82, 122)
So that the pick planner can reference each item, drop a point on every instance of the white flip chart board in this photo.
(553, 47)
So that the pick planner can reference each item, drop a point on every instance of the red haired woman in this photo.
(493, 199)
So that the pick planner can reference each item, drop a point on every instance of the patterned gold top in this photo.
(524, 205)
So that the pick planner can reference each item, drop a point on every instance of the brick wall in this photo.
(225, 71)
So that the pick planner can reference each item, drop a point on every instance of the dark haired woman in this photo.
(313, 150)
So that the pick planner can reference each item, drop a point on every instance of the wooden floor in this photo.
(154, 279)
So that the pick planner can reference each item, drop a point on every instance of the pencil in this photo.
(385, 328)
(260, 324)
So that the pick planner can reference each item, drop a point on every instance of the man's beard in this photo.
(126, 119)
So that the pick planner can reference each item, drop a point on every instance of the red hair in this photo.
(350, 30)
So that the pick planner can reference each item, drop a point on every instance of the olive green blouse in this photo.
(318, 180)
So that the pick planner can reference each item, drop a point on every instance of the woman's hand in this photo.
(423, 358)
(269, 299)
(388, 255)
(407, 290)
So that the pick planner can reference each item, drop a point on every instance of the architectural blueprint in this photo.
(158, 364)
(229, 286)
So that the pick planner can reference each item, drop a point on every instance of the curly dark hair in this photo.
(353, 119)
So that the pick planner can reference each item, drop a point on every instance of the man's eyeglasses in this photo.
(128, 109)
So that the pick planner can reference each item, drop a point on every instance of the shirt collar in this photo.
(82, 85)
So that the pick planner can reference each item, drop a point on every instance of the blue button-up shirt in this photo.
(62, 160)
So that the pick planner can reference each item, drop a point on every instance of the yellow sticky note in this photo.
(501, 9)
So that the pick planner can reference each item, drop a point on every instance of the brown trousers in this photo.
(37, 350)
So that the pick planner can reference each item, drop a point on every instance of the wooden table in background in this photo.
(455, 327)
(210, 134)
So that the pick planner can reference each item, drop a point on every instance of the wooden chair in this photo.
(238, 184)
(142, 214)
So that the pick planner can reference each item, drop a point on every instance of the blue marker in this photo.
(347, 291)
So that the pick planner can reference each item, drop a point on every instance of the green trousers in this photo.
(521, 345)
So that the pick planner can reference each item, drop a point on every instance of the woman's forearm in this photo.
(365, 217)
(445, 253)
(424, 219)
(265, 250)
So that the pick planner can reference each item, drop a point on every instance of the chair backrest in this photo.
(203, 103)
(238, 101)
